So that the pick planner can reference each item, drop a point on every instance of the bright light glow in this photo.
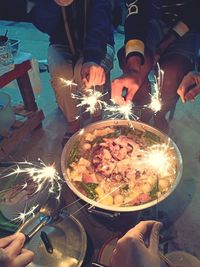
(42, 176)
(160, 159)
(156, 86)
(125, 111)
(91, 100)
(67, 82)
(155, 104)
(26, 214)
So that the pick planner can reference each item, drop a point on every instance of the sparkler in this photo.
(26, 214)
(156, 86)
(159, 158)
(67, 82)
(40, 174)
(125, 111)
(91, 100)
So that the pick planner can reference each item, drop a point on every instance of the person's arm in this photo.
(138, 247)
(189, 87)
(12, 253)
(187, 20)
(99, 33)
(135, 34)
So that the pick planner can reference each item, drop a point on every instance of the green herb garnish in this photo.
(151, 138)
(154, 191)
(73, 153)
(89, 189)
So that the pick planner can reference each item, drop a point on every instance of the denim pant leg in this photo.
(61, 67)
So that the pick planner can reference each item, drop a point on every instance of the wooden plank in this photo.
(26, 91)
(9, 144)
(19, 70)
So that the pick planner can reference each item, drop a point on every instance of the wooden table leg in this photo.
(27, 94)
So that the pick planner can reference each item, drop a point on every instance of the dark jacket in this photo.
(169, 11)
(91, 40)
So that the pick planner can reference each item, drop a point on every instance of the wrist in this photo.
(133, 64)
(169, 39)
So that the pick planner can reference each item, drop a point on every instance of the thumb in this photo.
(154, 237)
(130, 95)
(181, 92)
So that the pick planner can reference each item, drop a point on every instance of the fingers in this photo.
(96, 76)
(116, 91)
(139, 233)
(130, 95)
(189, 80)
(143, 228)
(4, 242)
(93, 75)
(14, 248)
(154, 237)
(181, 92)
(193, 93)
(24, 258)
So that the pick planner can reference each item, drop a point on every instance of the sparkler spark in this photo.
(41, 174)
(159, 158)
(156, 86)
(26, 214)
(91, 100)
(125, 111)
(67, 82)
(155, 104)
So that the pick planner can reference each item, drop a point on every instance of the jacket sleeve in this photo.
(45, 16)
(136, 26)
(188, 18)
(99, 30)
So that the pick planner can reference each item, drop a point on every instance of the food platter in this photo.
(78, 139)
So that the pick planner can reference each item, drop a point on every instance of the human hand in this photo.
(131, 82)
(138, 247)
(92, 74)
(192, 79)
(12, 253)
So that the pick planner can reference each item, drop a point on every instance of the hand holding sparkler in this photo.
(131, 81)
(132, 250)
(12, 253)
(189, 87)
(92, 74)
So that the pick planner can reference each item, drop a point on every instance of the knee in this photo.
(175, 67)
(60, 74)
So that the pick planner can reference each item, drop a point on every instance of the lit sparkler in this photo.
(125, 111)
(41, 174)
(156, 86)
(67, 82)
(159, 158)
(26, 214)
(91, 100)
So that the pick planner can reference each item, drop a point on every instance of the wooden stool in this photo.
(29, 111)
